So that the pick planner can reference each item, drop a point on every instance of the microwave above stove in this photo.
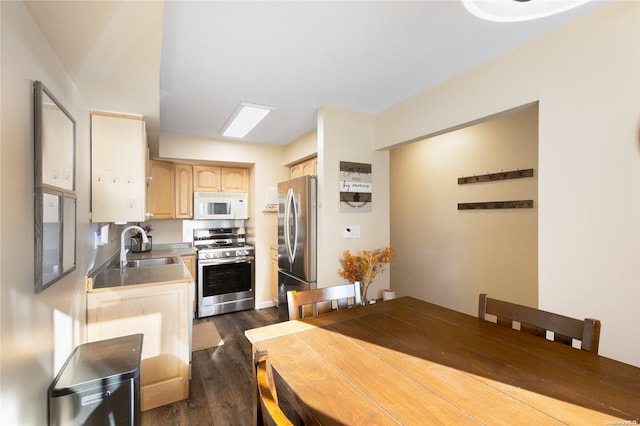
(220, 205)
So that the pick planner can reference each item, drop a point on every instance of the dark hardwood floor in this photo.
(221, 377)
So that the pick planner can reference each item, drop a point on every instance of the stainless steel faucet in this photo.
(123, 251)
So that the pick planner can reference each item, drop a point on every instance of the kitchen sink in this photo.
(153, 261)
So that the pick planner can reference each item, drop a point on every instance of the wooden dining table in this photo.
(407, 361)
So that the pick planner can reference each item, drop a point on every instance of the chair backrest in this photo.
(538, 322)
(267, 395)
(313, 302)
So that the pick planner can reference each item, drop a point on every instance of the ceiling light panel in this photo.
(244, 118)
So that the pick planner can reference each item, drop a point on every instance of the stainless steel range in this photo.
(225, 269)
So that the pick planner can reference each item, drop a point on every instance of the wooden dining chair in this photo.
(538, 322)
(313, 302)
(272, 415)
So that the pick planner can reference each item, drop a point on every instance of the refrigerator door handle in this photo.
(291, 243)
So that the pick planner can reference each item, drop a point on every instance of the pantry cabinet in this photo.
(118, 167)
(220, 179)
(160, 190)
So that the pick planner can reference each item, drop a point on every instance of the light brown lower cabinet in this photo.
(190, 262)
(163, 314)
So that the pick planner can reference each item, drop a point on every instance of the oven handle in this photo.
(211, 262)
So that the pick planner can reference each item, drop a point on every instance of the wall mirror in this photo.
(55, 196)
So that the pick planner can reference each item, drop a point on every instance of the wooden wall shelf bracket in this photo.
(492, 177)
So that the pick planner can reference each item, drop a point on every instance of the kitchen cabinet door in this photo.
(118, 167)
(183, 175)
(309, 167)
(304, 168)
(160, 190)
(234, 180)
(206, 179)
(295, 171)
(163, 314)
(220, 179)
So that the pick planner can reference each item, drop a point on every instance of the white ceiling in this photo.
(186, 65)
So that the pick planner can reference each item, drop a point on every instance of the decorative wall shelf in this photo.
(492, 177)
(516, 204)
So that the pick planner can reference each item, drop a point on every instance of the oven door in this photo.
(225, 286)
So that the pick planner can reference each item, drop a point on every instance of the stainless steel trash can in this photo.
(99, 384)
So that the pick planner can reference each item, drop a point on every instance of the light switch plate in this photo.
(352, 231)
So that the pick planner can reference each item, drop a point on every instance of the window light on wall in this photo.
(518, 10)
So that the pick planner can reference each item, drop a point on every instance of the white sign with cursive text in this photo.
(346, 186)
(356, 190)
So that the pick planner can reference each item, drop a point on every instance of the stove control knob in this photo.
(226, 253)
(207, 255)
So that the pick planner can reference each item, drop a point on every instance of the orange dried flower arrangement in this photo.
(365, 266)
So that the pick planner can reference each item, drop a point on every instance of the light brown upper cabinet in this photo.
(305, 168)
(220, 179)
(183, 174)
(170, 186)
(118, 160)
(160, 195)
(169, 191)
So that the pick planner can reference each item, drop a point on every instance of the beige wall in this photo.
(304, 147)
(345, 135)
(38, 331)
(267, 169)
(449, 256)
(585, 77)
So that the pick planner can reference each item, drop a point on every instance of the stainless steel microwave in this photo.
(220, 205)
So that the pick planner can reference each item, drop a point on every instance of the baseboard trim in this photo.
(263, 305)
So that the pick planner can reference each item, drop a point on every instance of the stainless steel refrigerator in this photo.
(297, 238)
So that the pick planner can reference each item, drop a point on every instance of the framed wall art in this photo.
(355, 187)
(54, 189)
